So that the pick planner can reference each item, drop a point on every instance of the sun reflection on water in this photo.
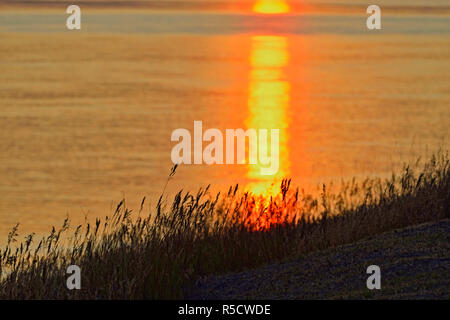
(271, 7)
(268, 101)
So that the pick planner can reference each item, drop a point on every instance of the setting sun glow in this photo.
(271, 7)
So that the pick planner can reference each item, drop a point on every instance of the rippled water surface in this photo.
(86, 116)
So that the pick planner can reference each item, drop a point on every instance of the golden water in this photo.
(86, 118)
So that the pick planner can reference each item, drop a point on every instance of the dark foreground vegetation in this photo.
(160, 254)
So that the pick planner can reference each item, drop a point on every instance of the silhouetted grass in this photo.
(155, 256)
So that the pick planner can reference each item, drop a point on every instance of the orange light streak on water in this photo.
(268, 101)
